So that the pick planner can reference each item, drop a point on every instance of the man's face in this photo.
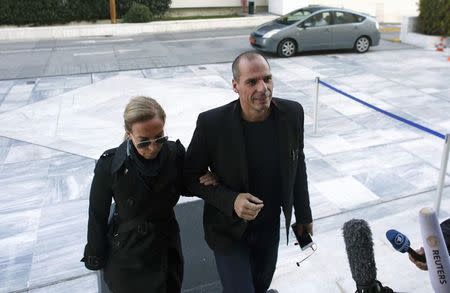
(254, 86)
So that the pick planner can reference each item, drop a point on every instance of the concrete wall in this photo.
(212, 11)
(77, 31)
(384, 10)
(212, 3)
(408, 35)
(281, 7)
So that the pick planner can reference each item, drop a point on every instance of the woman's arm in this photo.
(100, 198)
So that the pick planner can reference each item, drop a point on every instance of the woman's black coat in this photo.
(140, 249)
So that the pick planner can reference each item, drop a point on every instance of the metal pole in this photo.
(112, 10)
(316, 106)
(441, 181)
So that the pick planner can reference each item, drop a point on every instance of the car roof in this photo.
(314, 8)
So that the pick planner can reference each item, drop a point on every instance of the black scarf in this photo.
(145, 167)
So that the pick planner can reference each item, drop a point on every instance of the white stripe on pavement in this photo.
(204, 39)
(128, 50)
(25, 51)
(121, 51)
(103, 41)
(93, 53)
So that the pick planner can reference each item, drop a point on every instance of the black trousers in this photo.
(250, 265)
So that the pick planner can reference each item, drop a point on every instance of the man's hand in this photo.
(247, 206)
(421, 265)
(305, 228)
(209, 179)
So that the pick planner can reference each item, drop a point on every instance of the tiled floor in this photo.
(361, 163)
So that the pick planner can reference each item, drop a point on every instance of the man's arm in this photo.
(301, 195)
(196, 164)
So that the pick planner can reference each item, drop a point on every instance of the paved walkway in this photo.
(361, 164)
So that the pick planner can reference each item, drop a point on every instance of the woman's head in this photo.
(144, 121)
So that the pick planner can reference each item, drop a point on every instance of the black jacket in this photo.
(445, 227)
(144, 229)
(218, 143)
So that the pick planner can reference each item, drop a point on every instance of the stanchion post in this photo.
(443, 171)
(316, 106)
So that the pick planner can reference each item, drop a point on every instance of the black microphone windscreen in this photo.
(359, 246)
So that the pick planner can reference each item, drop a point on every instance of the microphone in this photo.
(401, 243)
(359, 246)
(438, 261)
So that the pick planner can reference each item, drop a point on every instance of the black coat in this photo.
(445, 227)
(218, 143)
(140, 250)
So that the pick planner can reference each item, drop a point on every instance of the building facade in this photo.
(384, 10)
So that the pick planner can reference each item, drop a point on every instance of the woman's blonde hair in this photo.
(139, 109)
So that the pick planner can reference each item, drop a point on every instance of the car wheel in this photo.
(362, 44)
(287, 48)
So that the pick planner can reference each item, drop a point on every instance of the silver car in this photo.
(317, 28)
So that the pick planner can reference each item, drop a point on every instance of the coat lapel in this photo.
(238, 145)
(283, 144)
(288, 153)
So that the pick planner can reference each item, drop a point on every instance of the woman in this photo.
(140, 249)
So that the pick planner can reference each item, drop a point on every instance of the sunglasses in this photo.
(146, 143)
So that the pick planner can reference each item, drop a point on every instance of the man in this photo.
(254, 146)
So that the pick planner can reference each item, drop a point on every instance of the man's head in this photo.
(252, 80)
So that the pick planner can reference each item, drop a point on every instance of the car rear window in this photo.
(346, 17)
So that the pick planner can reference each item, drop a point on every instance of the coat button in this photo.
(130, 202)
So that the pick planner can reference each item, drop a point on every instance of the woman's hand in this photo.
(209, 179)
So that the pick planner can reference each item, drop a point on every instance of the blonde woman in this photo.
(140, 249)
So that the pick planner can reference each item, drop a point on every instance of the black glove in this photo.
(93, 263)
